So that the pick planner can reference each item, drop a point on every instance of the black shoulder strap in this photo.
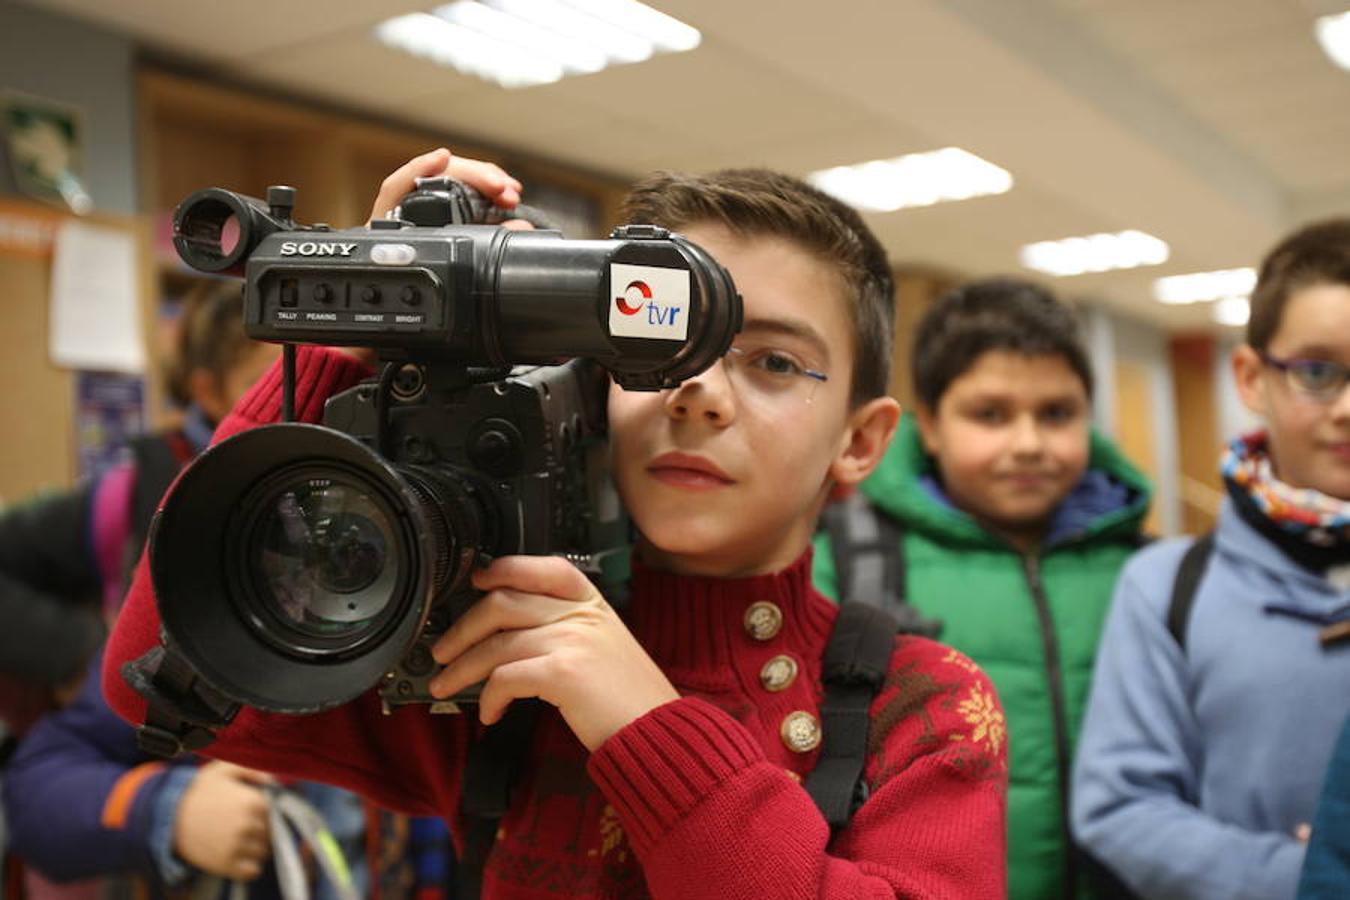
(855, 664)
(1190, 573)
(868, 549)
(494, 765)
(158, 461)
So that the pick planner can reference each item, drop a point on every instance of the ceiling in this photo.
(1213, 124)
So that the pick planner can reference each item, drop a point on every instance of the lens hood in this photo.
(242, 629)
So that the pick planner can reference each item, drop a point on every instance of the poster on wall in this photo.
(95, 320)
(109, 412)
(45, 144)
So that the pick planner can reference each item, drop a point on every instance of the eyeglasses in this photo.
(1319, 379)
(770, 373)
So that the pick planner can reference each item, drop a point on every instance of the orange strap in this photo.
(117, 807)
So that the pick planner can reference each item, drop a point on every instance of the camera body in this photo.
(296, 566)
(647, 305)
(520, 462)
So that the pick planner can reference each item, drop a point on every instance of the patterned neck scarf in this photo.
(1320, 520)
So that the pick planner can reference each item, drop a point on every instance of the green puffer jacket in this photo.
(1031, 622)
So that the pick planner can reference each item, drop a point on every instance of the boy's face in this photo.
(1309, 438)
(722, 479)
(1010, 437)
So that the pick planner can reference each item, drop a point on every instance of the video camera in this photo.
(298, 565)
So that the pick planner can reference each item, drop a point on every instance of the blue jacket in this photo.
(1326, 871)
(83, 800)
(78, 780)
(1196, 766)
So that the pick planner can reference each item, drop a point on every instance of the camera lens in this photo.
(294, 567)
(323, 559)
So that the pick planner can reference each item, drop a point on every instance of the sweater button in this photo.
(763, 620)
(778, 673)
(801, 732)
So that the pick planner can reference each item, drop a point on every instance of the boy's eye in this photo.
(772, 362)
(1059, 414)
(988, 415)
(1318, 374)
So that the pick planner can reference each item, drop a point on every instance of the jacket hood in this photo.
(1109, 503)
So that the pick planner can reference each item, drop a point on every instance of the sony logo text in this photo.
(316, 248)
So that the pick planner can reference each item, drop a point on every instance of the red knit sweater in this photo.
(701, 797)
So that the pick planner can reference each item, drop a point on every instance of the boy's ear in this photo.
(1247, 371)
(866, 438)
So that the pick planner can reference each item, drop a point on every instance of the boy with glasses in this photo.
(671, 764)
(1210, 726)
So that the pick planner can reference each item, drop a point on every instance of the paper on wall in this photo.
(95, 315)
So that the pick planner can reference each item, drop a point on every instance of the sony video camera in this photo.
(298, 565)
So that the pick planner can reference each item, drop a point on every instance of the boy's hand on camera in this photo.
(543, 630)
(221, 824)
(489, 179)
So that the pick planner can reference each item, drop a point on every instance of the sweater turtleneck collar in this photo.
(697, 624)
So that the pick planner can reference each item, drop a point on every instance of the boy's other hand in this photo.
(543, 630)
(221, 824)
(488, 178)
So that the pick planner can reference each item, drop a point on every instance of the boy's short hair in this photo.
(757, 203)
(992, 314)
(1315, 254)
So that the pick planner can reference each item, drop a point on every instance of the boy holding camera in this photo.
(1012, 519)
(670, 764)
(1211, 722)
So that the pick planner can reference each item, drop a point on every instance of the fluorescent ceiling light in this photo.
(1095, 253)
(520, 43)
(1333, 33)
(918, 179)
(1232, 311)
(1201, 286)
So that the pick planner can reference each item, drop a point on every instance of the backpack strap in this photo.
(494, 765)
(158, 459)
(111, 526)
(855, 664)
(1190, 573)
(868, 549)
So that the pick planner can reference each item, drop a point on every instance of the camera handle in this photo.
(182, 711)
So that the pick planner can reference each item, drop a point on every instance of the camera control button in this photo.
(370, 294)
(410, 295)
(323, 293)
(393, 254)
(290, 292)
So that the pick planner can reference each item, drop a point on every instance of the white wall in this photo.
(1111, 339)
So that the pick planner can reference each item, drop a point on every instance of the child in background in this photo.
(671, 766)
(1014, 518)
(59, 584)
(1208, 732)
(81, 799)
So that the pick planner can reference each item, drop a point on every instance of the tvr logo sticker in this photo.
(649, 302)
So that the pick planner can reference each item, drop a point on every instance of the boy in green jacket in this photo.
(1014, 518)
